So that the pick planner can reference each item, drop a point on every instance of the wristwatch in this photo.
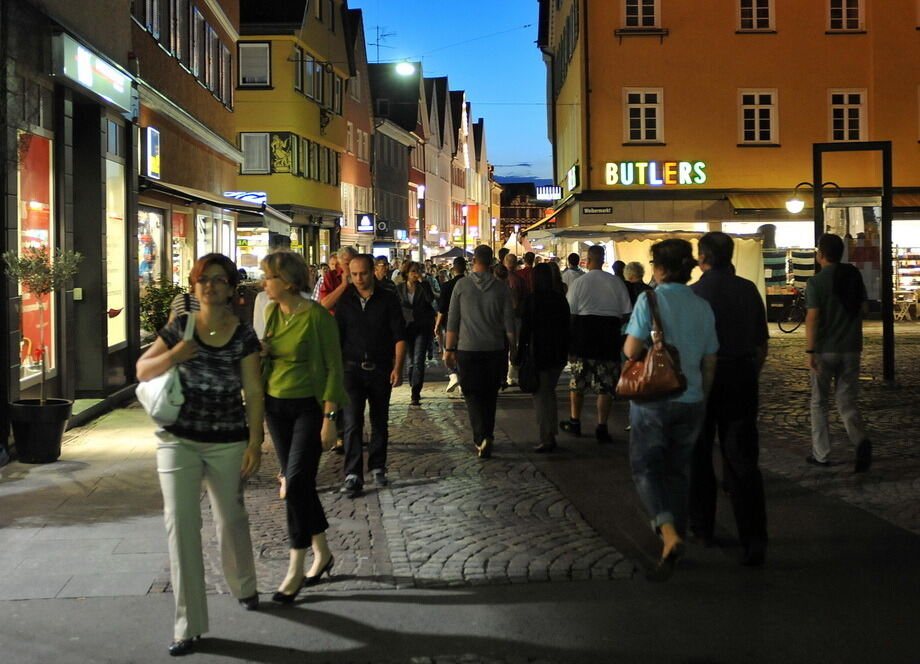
(330, 415)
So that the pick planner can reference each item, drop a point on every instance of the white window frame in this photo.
(840, 7)
(226, 76)
(254, 138)
(298, 68)
(196, 46)
(319, 84)
(308, 74)
(641, 15)
(755, 8)
(847, 106)
(350, 137)
(659, 116)
(213, 60)
(354, 85)
(181, 20)
(757, 107)
(252, 47)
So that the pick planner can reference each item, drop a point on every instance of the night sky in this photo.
(503, 74)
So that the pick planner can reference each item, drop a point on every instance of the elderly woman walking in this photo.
(663, 432)
(215, 440)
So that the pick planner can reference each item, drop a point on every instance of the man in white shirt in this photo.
(599, 301)
(572, 272)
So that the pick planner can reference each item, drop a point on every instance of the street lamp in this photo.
(494, 224)
(795, 204)
(405, 68)
(465, 210)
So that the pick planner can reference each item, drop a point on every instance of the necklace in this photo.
(291, 315)
(213, 330)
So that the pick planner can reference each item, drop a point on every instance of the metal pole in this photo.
(887, 268)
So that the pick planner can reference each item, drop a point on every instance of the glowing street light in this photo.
(405, 69)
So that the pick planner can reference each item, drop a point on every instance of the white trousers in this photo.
(182, 465)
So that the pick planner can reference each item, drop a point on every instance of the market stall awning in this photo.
(269, 217)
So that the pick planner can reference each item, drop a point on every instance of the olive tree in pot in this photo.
(38, 424)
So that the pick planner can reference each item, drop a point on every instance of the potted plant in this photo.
(38, 424)
(154, 303)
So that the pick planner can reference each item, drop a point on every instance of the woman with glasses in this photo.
(216, 440)
(418, 305)
(304, 386)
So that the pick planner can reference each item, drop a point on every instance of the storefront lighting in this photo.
(494, 222)
(465, 210)
(36, 205)
(433, 229)
(421, 192)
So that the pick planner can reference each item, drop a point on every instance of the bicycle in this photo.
(793, 315)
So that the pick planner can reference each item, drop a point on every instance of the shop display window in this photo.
(182, 251)
(36, 229)
(251, 247)
(115, 247)
(149, 245)
(204, 234)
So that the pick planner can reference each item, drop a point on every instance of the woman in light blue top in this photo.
(663, 433)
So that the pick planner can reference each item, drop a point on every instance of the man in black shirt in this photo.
(371, 328)
(447, 289)
(731, 411)
(382, 273)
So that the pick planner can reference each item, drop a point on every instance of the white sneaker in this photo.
(453, 381)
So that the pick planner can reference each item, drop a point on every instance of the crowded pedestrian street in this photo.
(518, 558)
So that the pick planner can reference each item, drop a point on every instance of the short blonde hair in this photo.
(633, 269)
(288, 265)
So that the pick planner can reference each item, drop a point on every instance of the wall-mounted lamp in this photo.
(795, 204)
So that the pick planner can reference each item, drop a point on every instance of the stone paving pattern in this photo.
(449, 519)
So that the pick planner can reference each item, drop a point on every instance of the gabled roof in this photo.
(479, 129)
(353, 19)
(402, 92)
(456, 110)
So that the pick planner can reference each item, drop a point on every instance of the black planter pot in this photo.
(38, 428)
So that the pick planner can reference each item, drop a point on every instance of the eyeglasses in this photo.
(204, 280)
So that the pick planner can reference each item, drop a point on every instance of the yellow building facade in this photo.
(291, 129)
(674, 114)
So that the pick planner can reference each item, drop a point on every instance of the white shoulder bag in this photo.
(162, 396)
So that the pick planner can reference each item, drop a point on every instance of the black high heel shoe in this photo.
(183, 646)
(284, 598)
(327, 570)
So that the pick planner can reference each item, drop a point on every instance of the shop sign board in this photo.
(400, 234)
(257, 197)
(383, 227)
(153, 153)
(82, 66)
(365, 223)
(597, 210)
(549, 193)
(655, 173)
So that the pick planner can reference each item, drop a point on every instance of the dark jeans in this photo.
(295, 426)
(372, 387)
(481, 376)
(417, 342)
(732, 415)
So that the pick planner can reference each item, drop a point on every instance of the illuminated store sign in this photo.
(655, 173)
(153, 153)
(549, 193)
(81, 65)
(257, 197)
(365, 223)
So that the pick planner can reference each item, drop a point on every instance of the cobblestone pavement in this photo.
(446, 519)
(892, 489)
(449, 519)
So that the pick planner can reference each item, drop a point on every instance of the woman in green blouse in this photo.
(303, 388)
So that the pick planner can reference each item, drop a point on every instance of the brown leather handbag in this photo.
(656, 374)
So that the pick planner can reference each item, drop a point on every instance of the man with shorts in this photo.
(598, 301)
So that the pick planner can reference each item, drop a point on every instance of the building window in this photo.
(354, 86)
(755, 15)
(314, 161)
(213, 74)
(845, 15)
(152, 15)
(643, 115)
(324, 165)
(255, 153)
(180, 20)
(758, 117)
(298, 69)
(330, 14)
(254, 64)
(226, 76)
(318, 11)
(337, 95)
(318, 77)
(302, 167)
(308, 75)
(350, 138)
(848, 115)
(197, 45)
(641, 14)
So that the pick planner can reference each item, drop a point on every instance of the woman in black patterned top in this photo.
(216, 439)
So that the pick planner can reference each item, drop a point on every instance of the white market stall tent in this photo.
(629, 245)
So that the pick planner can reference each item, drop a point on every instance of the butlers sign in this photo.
(655, 173)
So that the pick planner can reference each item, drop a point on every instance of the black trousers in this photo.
(373, 388)
(295, 426)
(731, 415)
(481, 376)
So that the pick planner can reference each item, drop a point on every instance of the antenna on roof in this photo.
(382, 35)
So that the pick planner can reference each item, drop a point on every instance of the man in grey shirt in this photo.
(480, 332)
